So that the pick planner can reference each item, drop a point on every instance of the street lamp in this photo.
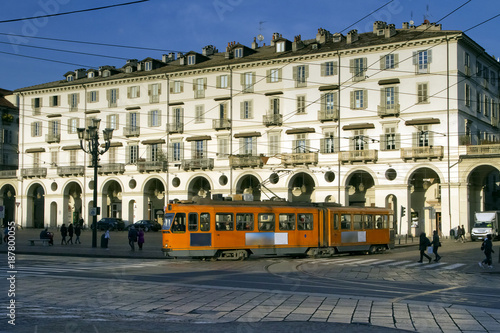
(89, 143)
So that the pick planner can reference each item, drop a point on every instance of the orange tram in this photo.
(234, 230)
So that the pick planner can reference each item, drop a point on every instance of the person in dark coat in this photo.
(78, 232)
(45, 234)
(487, 247)
(140, 238)
(64, 233)
(70, 233)
(435, 245)
(422, 246)
(132, 237)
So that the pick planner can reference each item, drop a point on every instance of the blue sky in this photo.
(174, 25)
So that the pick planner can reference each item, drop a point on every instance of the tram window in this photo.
(287, 221)
(305, 222)
(167, 221)
(244, 221)
(224, 221)
(266, 222)
(335, 222)
(391, 222)
(179, 223)
(358, 222)
(193, 222)
(345, 223)
(381, 221)
(205, 222)
(369, 221)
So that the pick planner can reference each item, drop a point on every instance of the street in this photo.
(354, 293)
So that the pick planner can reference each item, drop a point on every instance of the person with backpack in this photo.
(424, 243)
(435, 245)
(487, 248)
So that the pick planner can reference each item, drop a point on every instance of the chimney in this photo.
(275, 36)
(337, 37)
(209, 50)
(164, 58)
(390, 30)
(352, 36)
(378, 28)
(406, 25)
(323, 36)
(297, 43)
(80, 73)
(254, 44)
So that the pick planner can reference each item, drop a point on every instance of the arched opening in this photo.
(53, 214)
(391, 202)
(301, 188)
(424, 193)
(483, 187)
(112, 199)
(131, 211)
(154, 200)
(35, 210)
(8, 200)
(200, 187)
(249, 184)
(72, 203)
(360, 190)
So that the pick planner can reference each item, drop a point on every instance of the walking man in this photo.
(64, 233)
(422, 246)
(487, 247)
(70, 233)
(435, 245)
(132, 237)
(78, 232)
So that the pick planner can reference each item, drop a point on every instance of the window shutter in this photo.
(51, 101)
(253, 80)
(429, 56)
(97, 96)
(415, 138)
(295, 73)
(335, 67)
(159, 88)
(306, 70)
(351, 143)
(398, 140)
(127, 155)
(150, 153)
(217, 82)
(108, 94)
(182, 86)
(323, 69)
(205, 83)
(159, 117)
(32, 103)
(396, 60)
(396, 96)
(171, 88)
(129, 92)
(323, 102)
(254, 146)
(351, 66)
(117, 117)
(69, 99)
(117, 93)
(242, 145)
(150, 118)
(250, 109)
(322, 145)
(383, 142)
(170, 151)
(194, 84)
(33, 129)
(366, 143)
(242, 79)
(242, 110)
(431, 138)
(150, 89)
(365, 99)
(383, 100)
(268, 76)
(279, 74)
(365, 64)
(415, 57)
(382, 62)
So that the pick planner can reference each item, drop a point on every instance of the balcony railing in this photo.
(494, 121)
(483, 149)
(114, 168)
(221, 124)
(175, 128)
(236, 161)
(132, 131)
(364, 156)
(199, 93)
(199, 163)
(299, 158)
(415, 153)
(388, 110)
(328, 115)
(273, 119)
(74, 170)
(8, 174)
(150, 166)
(34, 172)
(53, 138)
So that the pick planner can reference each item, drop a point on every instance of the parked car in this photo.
(146, 225)
(111, 223)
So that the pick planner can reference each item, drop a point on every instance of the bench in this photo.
(44, 242)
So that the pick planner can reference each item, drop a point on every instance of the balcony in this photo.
(364, 156)
(328, 115)
(131, 131)
(152, 166)
(415, 153)
(4, 174)
(245, 161)
(199, 93)
(68, 171)
(175, 128)
(53, 138)
(299, 158)
(494, 121)
(198, 163)
(34, 172)
(111, 168)
(273, 119)
(388, 110)
(483, 150)
(221, 124)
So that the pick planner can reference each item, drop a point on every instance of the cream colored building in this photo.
(394, 117)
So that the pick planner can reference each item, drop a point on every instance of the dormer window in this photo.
(148, 65)
(106, 73)
(238, 53)
(280, 47)
(70, 78)
(128, 69)
(191, 59)
(90, 75)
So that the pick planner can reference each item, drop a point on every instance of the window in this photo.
(179, 223)
(133, 121)
(358, 99)
(358, 222)
(247, 82)
(177, 87)
(73, 100)
(199, 86)
(244, 221)
(467, 95)
(345, 222)
(106, 73)
(90, 75)
(54, 158)
(154, 152)
(422, 92)
(192, 222)
(133, 154)
(177, 118)
(112, 95)
(154, 93)
(301, 104)
(329, 68)
(358, 68)
(199, 149)
(467, 64)
(286, 221)
(246, 110)
(7, 136)
(72, 125)
(300, 144)
(358, 140)
(36, 104)
(199, 116)
(54, 126)
(493, 80)
(328, 143)
(422, 59)
(479, 102)
(73, 154)
(134, 92)
(280, 47)
(36, 129)
(274, 143)
(304, 221)
(112, 155)
(273, 75)
(222, 146)
(222, 81)
(274, 105)
(176, 151)
(224, 221)
(423, 136)
(54, 100)
(70, 78)
(238, 53)
(154, 118)
(36, 160)
(248, 146)
(148, 65)
(266, 222)
(300, 74)
(112, 121)
(93, 96)
(389, 100)
(487, 106)
(390, 139)
(205, 222)
(191, 59)
(389, 61)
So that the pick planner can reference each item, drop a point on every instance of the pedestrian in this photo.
(78, 232)
(70, 233)
(64, 233)
(462, 234)
(487, 247)
(140, 238)
(459, 232)
(45, 234)
(5, 235)
(435, 245)
(422, 246)
(132, 237)
(105, 239)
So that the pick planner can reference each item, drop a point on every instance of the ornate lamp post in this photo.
(89, 143)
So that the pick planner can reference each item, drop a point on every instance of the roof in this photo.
(3, 101)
